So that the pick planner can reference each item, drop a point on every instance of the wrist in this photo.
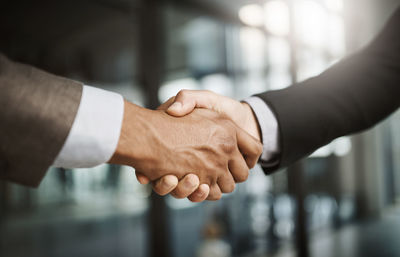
(251, 123)
(132, 138)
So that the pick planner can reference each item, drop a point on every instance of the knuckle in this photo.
(251, 164)
(183, 93)
(260, 149)
(229, 188)
(209, 92)
(196, 198)
(155, 174)
(178, 194)
(191, 181)
(222, 168)
(228, 144)
(212, 178)
(159, 189)
(165, 181)
(217, 197)
(242, 176)
(226, 124)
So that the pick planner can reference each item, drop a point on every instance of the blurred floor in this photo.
(373, 238)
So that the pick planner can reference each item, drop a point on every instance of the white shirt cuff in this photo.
(269, 129)
(95, 132)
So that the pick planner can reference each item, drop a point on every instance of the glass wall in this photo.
(246, 48)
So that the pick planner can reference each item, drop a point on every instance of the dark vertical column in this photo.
(296, 174)
(3, 206)
(358, 143)
(389, 169)
(151, 68)
(296, 181)
(151, 49)
(159, 244)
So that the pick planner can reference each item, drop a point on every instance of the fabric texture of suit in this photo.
(349, 97)
(37, 112)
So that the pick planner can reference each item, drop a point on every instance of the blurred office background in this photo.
(342, 201)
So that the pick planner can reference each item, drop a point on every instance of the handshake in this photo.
(197, 144)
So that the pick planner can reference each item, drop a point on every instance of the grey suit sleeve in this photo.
(37, 110)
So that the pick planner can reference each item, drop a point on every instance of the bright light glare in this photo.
(342, 146)
(312, 63)
(310, 21)
(277, 17)
(336, 42)
(279, 63)
(322, 152)
(334, 5)
(171, 88)
(252, 15)
(279, 53)
(218, 83)
(253, 44)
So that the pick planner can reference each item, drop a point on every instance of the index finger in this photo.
(167, 104)
(250, 147)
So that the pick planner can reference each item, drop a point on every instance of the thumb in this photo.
(179, 109)
(187, 100)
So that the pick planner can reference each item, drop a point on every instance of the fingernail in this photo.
(175, 106)
(190, 184)
(199, 194)
(169, 184)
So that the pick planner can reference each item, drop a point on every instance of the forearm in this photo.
(38, 110)
(95, 131)
(131, 147)
(349, 97)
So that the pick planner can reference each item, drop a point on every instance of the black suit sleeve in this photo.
(351, 96)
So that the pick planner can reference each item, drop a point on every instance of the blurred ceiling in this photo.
(49, 33)
(51, 20)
